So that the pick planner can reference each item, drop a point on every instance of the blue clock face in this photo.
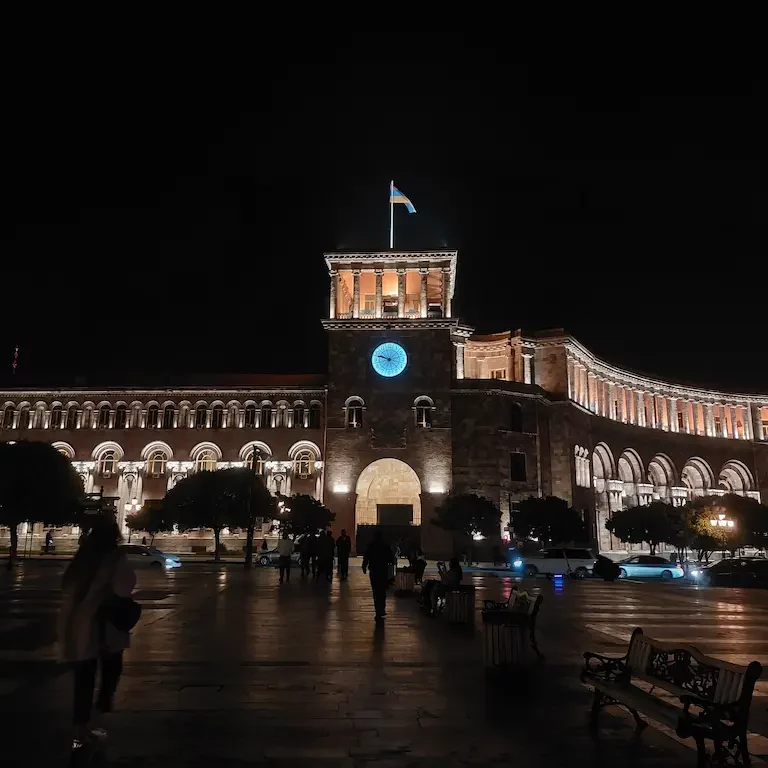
(389, 359)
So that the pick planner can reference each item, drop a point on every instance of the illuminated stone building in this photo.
(414, 405)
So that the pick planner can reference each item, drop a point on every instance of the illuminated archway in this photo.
(697, 476)
(734, 477)
(386, 481)
(662, 475)
(631, 473)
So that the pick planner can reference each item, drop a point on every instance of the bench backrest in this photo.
(686, 668)
(527, 604)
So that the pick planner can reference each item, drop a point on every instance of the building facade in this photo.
(413, 406)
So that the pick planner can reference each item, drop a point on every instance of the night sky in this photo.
(187, 235)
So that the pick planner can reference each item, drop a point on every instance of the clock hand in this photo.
(383, 358)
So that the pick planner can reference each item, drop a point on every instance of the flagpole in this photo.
(391, 216)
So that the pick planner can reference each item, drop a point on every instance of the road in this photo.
(230, 667)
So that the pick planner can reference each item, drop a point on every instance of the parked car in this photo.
(650, 567)
(140, 555)
(272, 557)
(556, 561)
(733, 572)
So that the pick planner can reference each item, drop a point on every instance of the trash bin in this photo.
(405, 581)
(460, 605)
(505, 640)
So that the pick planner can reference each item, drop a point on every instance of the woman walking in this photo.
(97, 587)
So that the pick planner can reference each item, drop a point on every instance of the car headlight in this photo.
(517, 563)
(696, 573)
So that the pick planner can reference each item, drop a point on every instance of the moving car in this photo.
(140, 555)
(733, 572)
(556, 561)
(649, 567)
(272, 557)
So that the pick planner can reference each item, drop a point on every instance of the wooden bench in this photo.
(526, 605)
(712, 696)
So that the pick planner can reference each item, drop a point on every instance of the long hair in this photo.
(100, 542)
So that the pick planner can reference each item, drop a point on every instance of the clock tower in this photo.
(392, 358)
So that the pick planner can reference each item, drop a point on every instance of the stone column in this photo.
(355, 293)
(747, 420)
(584, 387)
(446, 291)
(612, 401)
(111, 420)
(673, 425)
(401, 293)
(459, 359)
(709, 419)
(527, 368)
(723, 422)
(332, 303)
(641, 409)
(590, 390)
(379, 278)
(652, 412)
(620, 407)
(757, 421)
(570, 366)
(423, 272)
(734, 426)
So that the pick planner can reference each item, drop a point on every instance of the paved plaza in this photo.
(229, 668)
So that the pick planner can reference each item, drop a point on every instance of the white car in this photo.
(556, 561)
(139, 555)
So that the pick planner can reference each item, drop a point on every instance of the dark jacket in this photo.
(325, 545)
(377, 559)
(343, 546)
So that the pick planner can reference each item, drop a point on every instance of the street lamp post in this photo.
(722, 525)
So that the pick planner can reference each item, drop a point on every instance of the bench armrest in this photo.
(710, 710)
(604, 667)
(494, 605)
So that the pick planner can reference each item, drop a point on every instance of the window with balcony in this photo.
(303, 464)
(107, 463)
(499, 373)
(103, 417)
(156, 463)
(153, 413)
(205, 461)
(168, 414)
(121, 417)
(266, 417)
(23, 418)
(354, 416)
(217, 417)
(71, 418)
(680, 422)
(8, 417)
(250, 416)
(298, 416)
(314, 416)
(201, 417)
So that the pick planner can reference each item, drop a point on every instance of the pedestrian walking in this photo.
(144, 541)
(48, 541)
(378, 559)
(343, 548)
(94, 625)
(326, 546)
(284, 552)
(305, 554)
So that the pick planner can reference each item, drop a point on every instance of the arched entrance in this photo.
(388, 495)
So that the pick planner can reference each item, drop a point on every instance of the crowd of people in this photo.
(316, 555)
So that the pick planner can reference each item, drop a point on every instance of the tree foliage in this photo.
(302, 514)
(467, 514)
(653, 523)
(549, 519)
(151, 518)
(37, 484)
(218, 500)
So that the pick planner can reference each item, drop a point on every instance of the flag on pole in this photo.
(396, 196)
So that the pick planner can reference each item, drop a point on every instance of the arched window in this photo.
(103, 417)
(8, 417)
(107, 463)
(121, 413)
(515, 418)
(281, 415)
(423, 409)
(217, 417)
(168, 414)
(298, 416)
(266, 416)
(355, 413)
(314, 416)
(71, 422)
(71, 417)
(303, 464)
(56, 417)
(153, 413)
(156, 463)
(24, 418)
(250, 416)
(201, 416)
(205, 461)
(259, 460)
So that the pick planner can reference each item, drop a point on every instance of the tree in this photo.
(466, 515)
(304, 515)
(251, 500)
(549, 519)
(151, 519)
(652, 523)
(37, 484)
